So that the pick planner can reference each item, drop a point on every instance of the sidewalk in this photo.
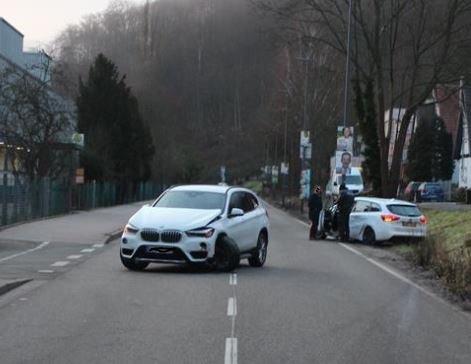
(98, 226)
(94, 226)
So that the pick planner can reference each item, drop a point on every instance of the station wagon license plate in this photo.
(409, 223)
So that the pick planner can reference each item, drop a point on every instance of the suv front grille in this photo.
(150, 235)
(171, 236)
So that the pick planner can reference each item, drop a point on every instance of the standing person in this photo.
(315, 207)
(344, 206)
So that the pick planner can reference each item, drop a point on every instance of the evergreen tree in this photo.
(366, 113)
(430, 152)
(118, 144)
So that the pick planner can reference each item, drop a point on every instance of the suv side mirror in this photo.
(236, 212)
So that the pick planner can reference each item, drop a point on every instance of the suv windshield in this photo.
(351, 179)
(404, 210)
(192, 200)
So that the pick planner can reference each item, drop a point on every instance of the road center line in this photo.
(60, 263)
(74, 256)
(87, 250)
(231, 307)
(231, 351)
(40, 246)
(233, 279)
(98, 245)
(46, 271)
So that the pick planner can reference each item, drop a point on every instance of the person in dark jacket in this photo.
(344, 207)
(315, 207)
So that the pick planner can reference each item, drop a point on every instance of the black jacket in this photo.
(345, 202)
(315, 205)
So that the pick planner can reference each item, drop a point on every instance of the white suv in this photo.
(198, 224)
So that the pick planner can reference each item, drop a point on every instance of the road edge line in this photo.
(390, 271)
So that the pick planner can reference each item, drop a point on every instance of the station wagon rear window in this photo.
(404, 210)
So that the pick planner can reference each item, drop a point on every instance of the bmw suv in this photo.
(198, 224)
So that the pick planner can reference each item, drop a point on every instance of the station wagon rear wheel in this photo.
(369, 236)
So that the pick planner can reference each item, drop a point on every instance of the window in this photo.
(192, 200)
(236, 201)
(360, 206)
(404, 210)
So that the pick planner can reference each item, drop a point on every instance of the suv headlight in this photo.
(201, 232)
(130, 229)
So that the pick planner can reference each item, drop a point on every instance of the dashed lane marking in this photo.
(46, 271)
(40, 246)
(87, 250)
(60, 263)
(98, 245)
(74, 256)
(231, 307)
(231, 351)
(233, 279)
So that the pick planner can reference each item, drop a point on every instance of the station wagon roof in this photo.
(386, 201)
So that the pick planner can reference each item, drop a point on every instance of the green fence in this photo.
(23, 200)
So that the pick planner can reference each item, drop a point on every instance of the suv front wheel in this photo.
(226, 255)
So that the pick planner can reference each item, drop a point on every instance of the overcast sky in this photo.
(41, 21)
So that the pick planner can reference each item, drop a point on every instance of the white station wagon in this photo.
(377, 219)
(198, 224)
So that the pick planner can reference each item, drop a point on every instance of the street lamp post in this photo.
(347, 66)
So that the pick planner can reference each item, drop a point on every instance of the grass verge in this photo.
(446, 250)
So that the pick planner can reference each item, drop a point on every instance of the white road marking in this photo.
(74, 256)
(232, 307)
(98, 245)
(23, 299)
(60, 263)
(231, 351)
(40, 246)
(87, 250)
(47, 271)
(395, 274)
(233, 279)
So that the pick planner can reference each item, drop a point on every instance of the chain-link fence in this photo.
(22, 199)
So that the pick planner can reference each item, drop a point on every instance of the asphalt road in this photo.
(313, 302)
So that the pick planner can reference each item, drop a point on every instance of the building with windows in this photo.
(35, 69)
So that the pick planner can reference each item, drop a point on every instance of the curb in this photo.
(7, 287)
(113, 236)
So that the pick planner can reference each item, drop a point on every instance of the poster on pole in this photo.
(274, 175)
(305, 146)
(345, 139)
(284, 168)
(344, 161)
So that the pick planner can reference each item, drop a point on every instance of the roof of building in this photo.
(11, 26)
(448, 107)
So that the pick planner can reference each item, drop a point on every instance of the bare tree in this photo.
(406, 47)
(35, 124)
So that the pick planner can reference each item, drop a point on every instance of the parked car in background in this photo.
(430, 191)
(377, 219)
(411, 190)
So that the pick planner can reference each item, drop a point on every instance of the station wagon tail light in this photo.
(203, 233)
(130, 229)
(423, 220)
(390, 218)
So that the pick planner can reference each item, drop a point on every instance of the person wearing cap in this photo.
(315, 207)
(344, 206)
